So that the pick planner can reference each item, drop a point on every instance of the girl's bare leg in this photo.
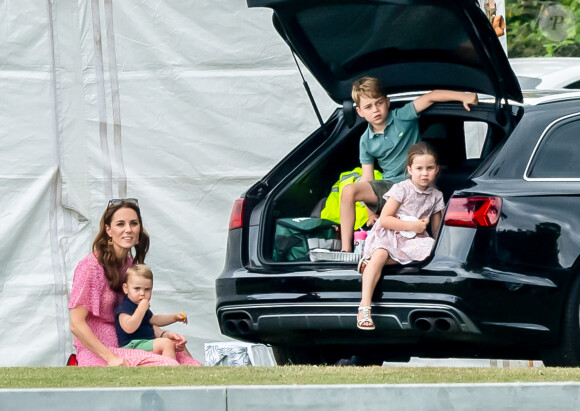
(371, 276)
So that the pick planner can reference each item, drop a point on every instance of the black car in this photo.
(503, 278)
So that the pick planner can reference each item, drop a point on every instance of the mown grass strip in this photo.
(67, 377)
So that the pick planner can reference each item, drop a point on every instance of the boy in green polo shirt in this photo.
(386, 140)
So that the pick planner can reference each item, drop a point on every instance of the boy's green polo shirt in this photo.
(390, 148)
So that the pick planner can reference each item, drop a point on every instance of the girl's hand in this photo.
(420, 226)
(117, 361)
(181, 317)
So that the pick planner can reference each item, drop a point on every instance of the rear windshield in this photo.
(355, 36)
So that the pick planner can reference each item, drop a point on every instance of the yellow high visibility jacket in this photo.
(331, 210)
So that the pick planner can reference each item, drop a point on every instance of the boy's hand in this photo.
(144, 304)
(470, 99)
(372, 218)
(181, 317)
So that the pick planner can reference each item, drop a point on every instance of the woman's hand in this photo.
(178, 339)
(117, 361)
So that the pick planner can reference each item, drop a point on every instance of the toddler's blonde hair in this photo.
(142, 270)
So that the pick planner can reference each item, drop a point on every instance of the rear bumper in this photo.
(410, 307)
(286, 323)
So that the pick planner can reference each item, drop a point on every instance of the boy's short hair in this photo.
(367, 87)
(142, 270)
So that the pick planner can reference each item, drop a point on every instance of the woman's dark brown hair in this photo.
(106, 253)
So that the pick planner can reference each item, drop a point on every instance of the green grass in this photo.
(66, 377)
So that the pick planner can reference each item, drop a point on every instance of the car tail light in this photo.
(237, 216)
(480, 211)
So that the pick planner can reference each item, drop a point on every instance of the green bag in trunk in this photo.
(295, 237)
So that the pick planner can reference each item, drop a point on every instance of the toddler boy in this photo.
(134, 320)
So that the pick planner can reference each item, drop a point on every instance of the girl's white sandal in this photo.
(366, 318)
(362, 264)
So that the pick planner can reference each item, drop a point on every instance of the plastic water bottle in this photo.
(359, 241)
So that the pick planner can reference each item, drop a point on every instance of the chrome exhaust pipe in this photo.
(231, 326)
(445, 324)
(429, 324)
(234, 325)
(244, 326)
(424, 324)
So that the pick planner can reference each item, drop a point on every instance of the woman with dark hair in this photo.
(97, 289)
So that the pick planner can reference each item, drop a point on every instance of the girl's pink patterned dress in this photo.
(413, 203)
(91, 290)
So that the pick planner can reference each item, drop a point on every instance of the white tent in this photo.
(181, 104)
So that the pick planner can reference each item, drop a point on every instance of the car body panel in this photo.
(411, 45)
(497, 290)
(547, 73)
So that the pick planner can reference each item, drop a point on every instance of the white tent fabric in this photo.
(181, 104)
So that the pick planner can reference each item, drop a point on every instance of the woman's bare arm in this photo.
(81, 330)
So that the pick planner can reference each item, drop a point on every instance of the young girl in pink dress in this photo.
(97, 289)
(399, 235)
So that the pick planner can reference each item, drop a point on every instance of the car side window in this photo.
(558, 153)
(475, 134)
(574, 85)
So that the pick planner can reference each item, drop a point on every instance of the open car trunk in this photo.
(303, 180)
(409, 45)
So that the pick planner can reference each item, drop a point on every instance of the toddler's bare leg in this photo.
(164, 346)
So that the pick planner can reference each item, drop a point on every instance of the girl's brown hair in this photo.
(106, 254)
(419, 149)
